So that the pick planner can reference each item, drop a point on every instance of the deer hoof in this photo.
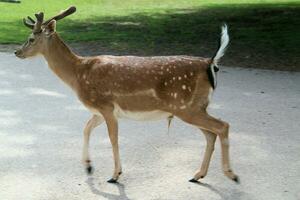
(236, 179)
(89, 170)
(193, 180)
(112, 180)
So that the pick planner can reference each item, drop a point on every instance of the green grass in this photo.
(263, 32)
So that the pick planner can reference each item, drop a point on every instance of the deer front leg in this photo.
(95, 121)
(112, 126)
(210, 146)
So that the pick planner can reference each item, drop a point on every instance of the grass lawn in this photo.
(264, 33)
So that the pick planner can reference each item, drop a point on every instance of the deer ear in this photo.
(50, 27)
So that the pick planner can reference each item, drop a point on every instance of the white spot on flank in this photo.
(166, 83)
(182, 101)
(191, 73)
(175, 95)
(183, 107)
(87, 82)
(174, 78)
(185, 76)
(184, 87)
(189, 88)
(84, 76)
(179, 78)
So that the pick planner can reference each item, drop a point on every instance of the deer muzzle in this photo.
(19, 53)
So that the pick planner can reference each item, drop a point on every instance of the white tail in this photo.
(222, 46)
(141, 88)
(224, 40)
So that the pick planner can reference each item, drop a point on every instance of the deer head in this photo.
(42, 32)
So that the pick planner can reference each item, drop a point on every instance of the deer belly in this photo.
(140, 115)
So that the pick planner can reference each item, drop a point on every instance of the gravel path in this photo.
(41, 125)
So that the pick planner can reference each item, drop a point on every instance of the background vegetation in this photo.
(264, 33)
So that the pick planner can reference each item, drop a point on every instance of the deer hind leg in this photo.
(218, 127)
(91, 124)
(112, 126)
(210, 146)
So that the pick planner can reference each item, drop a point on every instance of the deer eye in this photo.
(31, 40)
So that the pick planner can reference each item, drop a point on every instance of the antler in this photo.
(29, 24)
(36, 26)
(62, 15)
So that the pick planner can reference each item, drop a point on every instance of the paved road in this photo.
(41, 126)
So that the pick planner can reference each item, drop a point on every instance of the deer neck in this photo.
(62, 61)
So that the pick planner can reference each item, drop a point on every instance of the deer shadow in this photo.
(225, 194)
(122, 194)
(222, 192)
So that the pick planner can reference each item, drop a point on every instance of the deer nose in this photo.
(17, 52)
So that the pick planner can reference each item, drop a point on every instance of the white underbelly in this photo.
(140, 115)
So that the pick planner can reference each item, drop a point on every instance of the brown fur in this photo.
(165, 85)
(107, 79)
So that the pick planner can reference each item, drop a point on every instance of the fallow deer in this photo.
(139, 88)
